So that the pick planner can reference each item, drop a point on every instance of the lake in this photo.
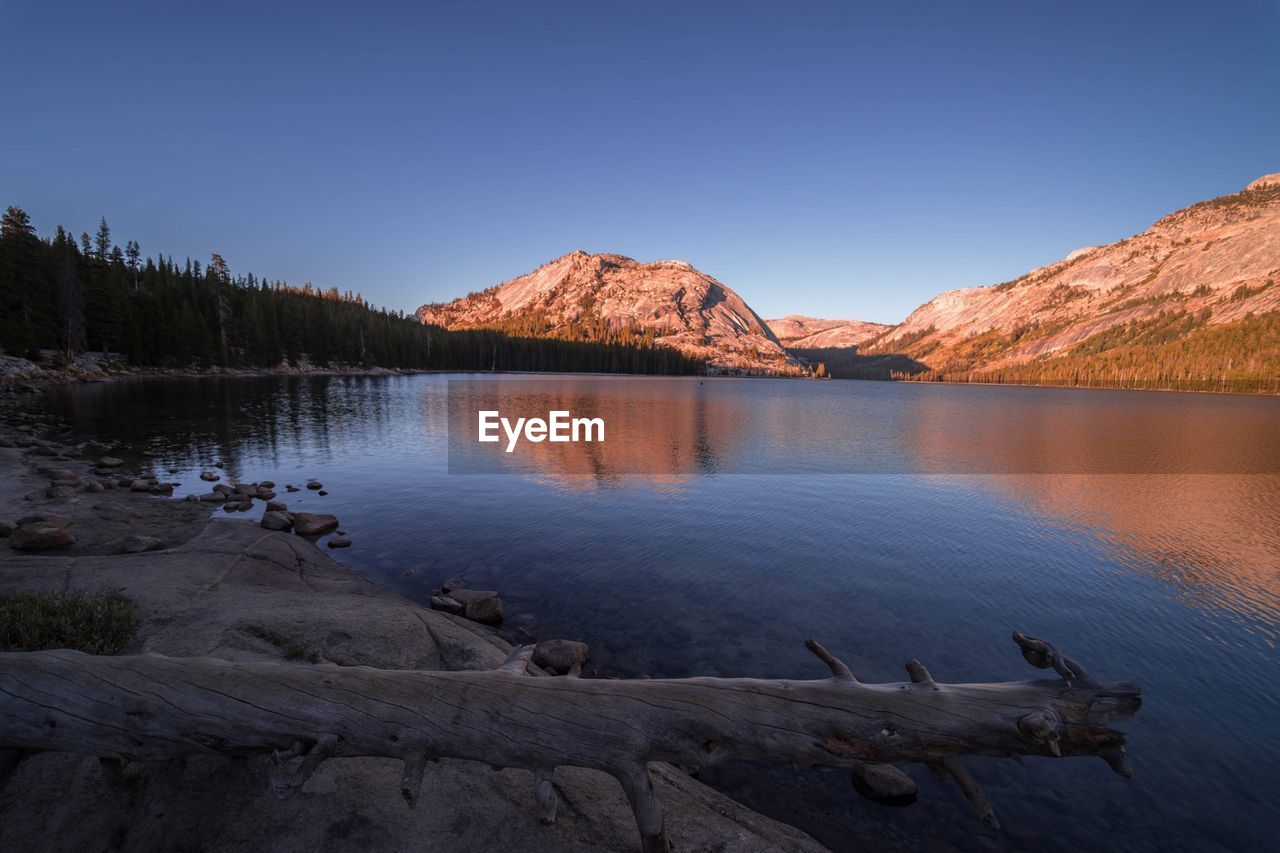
(724, 521)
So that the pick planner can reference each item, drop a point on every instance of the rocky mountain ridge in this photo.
(1210, 265)
(612, 297)
(796, 331)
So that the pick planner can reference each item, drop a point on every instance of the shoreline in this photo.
(233, 590)
(39, 377)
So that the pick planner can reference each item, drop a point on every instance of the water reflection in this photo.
(1028, 515)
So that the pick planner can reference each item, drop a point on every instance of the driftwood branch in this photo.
(161, 710)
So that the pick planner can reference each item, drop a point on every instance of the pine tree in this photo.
(102, 242)
(71, 318)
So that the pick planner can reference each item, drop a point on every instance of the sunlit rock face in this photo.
(797, 332)
(1222, 255)
(684, 309)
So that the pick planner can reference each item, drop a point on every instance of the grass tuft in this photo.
(99, 623)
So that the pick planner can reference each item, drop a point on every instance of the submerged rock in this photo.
(884, 784)
(313, 524)
(210, 476)
(315, 485)
(339, 541)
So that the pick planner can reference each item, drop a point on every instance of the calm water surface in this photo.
(1047, 524)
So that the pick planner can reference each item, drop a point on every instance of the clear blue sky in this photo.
(819, 158)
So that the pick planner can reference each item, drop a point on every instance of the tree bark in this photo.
(153, 708)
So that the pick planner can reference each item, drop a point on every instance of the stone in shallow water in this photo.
(277, 520)
(313, 524)
(447, 604)
(478, 605)
(884, 784)
(210, 476)
(560, 655)
(315, 485)
(339, 541)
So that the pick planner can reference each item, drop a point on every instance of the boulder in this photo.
(560, 655)
(314, 485)
(139, 485)
(110, 462)
(277, 520)
(447, 604)
(237, 506)
(884, 784)
(277, 506)
(264, 494)
(134, 544)
(223, 489)
(214, 497)
(479, 605)
(40, 536)
(58, 493)
(210, 476)
(94, 487)
(267, 484)
(248, 489)
(314, 523)
(161, 489)
(339, 541)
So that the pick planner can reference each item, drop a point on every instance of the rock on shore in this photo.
(235, 591)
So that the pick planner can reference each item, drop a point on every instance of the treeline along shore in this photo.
(63, 296)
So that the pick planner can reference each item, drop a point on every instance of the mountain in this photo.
(1191, 302)
(616, 299)
(797, 332)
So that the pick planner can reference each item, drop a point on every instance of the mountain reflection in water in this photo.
(716, 529)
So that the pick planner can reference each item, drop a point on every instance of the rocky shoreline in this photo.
(234, 590)
(24, 375)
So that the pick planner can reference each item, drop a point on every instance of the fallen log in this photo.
(158, 709)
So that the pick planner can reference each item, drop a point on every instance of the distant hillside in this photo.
(61, 297)
(613, 298)
(797, 332)
(1189, 303)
